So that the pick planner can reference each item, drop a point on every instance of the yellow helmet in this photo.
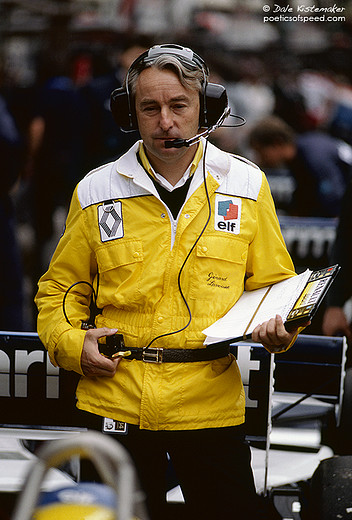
(85, 501)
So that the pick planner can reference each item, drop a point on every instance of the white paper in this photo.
(280, 299)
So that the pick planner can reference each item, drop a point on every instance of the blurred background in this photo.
(60, 60)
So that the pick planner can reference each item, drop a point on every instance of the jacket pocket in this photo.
(219, 391)
(219, 268)
(120, 266)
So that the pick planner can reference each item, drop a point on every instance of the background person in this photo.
(335, 319)
(105, 141)
(11, 273)
(56, 140)
(139, 231)
(320, 164)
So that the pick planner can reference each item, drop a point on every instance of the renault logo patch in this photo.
(110, 221)
(228, 214)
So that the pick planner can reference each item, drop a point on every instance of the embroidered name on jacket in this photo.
(228, 214)
(110, 221)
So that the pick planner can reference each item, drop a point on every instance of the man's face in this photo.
(165, 110)
(270, 156)
(275, 155)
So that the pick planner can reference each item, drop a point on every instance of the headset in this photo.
(213, 97)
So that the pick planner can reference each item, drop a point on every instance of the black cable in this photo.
(67, 292)
(187, 257)
(241, 123)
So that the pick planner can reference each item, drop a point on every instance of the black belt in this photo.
(175, 355)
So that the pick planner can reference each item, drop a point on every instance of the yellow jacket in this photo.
(118, 226)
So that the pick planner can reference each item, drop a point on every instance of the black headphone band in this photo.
(186, 56)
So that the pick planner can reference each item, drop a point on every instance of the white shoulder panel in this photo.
(244, 178)
(95, 186)
(107, 183)
(240, 177)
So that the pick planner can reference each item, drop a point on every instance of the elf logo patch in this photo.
(228, 214)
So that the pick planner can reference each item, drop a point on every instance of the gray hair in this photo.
(191, 77)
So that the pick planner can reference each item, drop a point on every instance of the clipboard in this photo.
(295, 299)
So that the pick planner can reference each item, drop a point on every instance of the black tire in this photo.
(331, 490)
(339, 438)
(345, 426)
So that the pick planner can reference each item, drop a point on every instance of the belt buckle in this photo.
(152, 355)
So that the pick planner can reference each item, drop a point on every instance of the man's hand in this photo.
(335, 323)
(93, 363)
(273, 335)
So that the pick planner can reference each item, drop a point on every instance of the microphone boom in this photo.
(178, 143)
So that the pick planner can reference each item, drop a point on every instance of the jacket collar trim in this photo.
(217, 163)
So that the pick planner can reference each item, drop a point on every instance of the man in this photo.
(320, 164)
(335, 320)
(11, 277)
(154, 262)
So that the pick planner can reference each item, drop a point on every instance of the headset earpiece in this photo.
(120, 108)
(212, 105)
(213, 98)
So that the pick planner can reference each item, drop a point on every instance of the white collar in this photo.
(167, 185)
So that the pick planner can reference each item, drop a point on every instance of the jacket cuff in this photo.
(292, 341)
(65, 349)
